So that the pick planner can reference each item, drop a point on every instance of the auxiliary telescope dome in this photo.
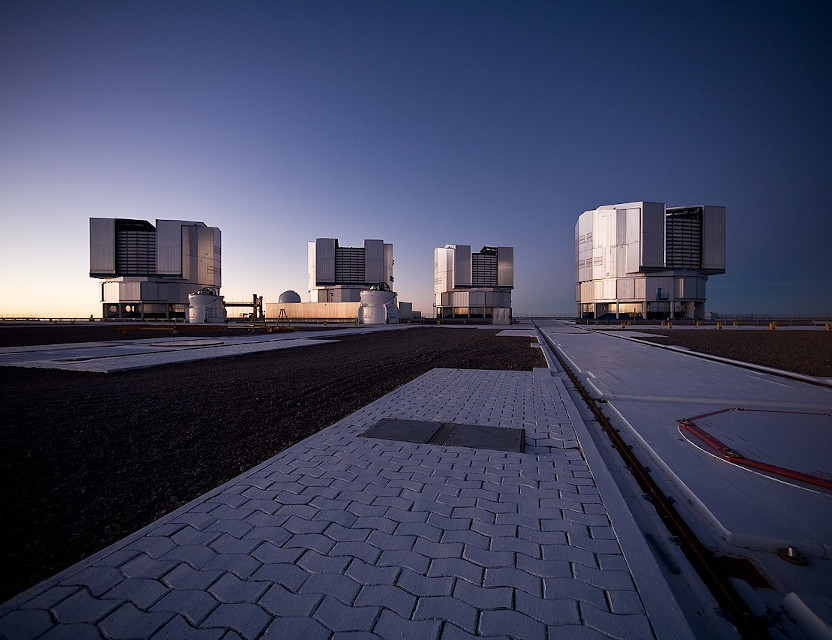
(288, 297)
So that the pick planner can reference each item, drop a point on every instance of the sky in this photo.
(418, 123)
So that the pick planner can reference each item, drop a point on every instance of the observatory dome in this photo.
(288, 296)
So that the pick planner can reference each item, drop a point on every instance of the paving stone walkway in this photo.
(347, 537)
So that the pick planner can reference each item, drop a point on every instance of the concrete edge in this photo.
(801, 377)
(662, 608)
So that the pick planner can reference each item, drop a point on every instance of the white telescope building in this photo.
(340, 274)
(646, 259)
(149, 271)
(473, 285)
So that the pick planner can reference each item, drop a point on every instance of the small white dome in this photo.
(288, 296)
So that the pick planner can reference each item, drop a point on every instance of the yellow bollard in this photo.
(623, 325)
(736, 324)
(719, 325)
(669, 324)
(772, 325)
(698, 323)
(829, 326)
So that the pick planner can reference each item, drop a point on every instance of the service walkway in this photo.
(343, 536)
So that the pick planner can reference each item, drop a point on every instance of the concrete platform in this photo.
(124, 355)
(349, 537)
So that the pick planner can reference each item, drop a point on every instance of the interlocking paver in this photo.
(341, 587)
(179, 628)
(390, 625)
(389, 597)
(314, 562)
(448, 609)
(71, 632)
(551, 612)
(337, 616)
(193, 604)
(369, 574)
(289, 575)
(420, 585)
(406, 559)
(142, 592)
(456, 567)
(230, 588)
(24, 624)
(513, 577)
(280, 601)
(195, 555)
(83, 607)
(614, 625)
(296, 627)
(603, 579)
(128, 622)
(482, 597)
(96, 580)
(347, 550)
(518, 625)
(245, 618)
(373, 538)
(240, 564)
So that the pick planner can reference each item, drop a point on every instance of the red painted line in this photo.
(788, 473)
(702, 435)
(732, 456)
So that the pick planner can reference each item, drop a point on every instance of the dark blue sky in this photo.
(420, 123)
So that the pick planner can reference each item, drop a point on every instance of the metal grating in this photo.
(349, 265)
(448, 434)
(684, 239)
(483, 270)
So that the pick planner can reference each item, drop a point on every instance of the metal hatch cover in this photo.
(448, 434)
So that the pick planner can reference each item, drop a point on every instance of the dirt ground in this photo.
(89, 458)
(808, 352)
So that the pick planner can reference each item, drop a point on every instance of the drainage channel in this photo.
(700, 557)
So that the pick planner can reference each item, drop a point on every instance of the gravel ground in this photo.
(89, 458)
(808, 352)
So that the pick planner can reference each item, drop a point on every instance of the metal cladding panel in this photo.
(102, 247)
(640, 288)
(325, 260)
(209, 253)
(130, 291)
(374, 261)
(659, 288)
(189, 252)
(505, 266)
(497, 299)
(443, 275)
(652, 235)
(462, 266)
(310, 274)
(169, 247)
(149, 291)
(626, 288)
(476, 298)
(587, 292)
(388, 264)
(110, 291)
(633, 237)
(713, 239)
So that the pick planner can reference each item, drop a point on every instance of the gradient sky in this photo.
(419, 123)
